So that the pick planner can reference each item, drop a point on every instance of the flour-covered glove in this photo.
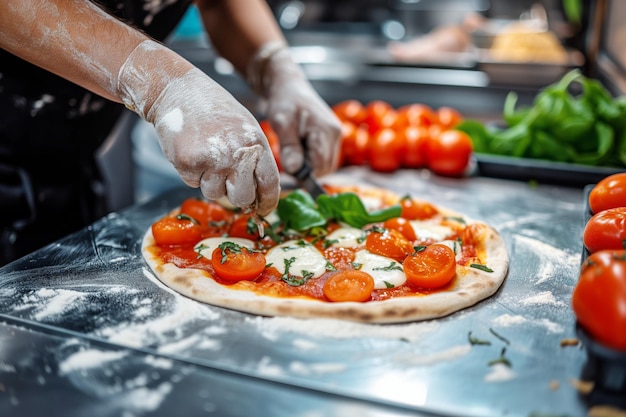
(212, 140)
(305, 125)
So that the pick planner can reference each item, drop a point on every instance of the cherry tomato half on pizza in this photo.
(233, 262)
(599, 297)
(176, 230)
(349, 285)
(432, 266)
(609, 193)
(606, 230)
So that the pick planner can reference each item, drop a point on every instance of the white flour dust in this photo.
(89, 358)
(509, 320)
(500, 373)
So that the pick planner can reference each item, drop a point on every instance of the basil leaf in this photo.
(297, 211)
(348, 208)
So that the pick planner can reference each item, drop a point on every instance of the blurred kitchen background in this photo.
(468, 54)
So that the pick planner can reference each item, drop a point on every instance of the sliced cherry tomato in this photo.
(416, 115)
(355, 145)
(432, 267)
(233, 262)
(379, 115)
(203, 211)
(402, 225)
(350, 285)
(606, 230)
(449, 153)
(350, 111)
(176, 230)
(448, 117)
(273, 140)
(610, 192)
(390, 243)
(599, 297)
(244, 226)
(415, 143)
(416, 210)
(385, 151)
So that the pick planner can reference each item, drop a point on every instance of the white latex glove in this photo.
(305, 125)
(212, 140)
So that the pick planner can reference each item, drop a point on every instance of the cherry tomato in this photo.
(350, 285)
(432, 267)
(273, 140)
(448, 117)
(610, 192)
(350, 111)
(379, 115)
(232, 262)
(415, 142)
(203, 211)
(389, 243)
(385, 151)
(599, 297)
(176, 230)
(355, 144)
(416, 210)
(449, 153)
(416, 115)
(244, 226)
(402, 225)
(606, 230)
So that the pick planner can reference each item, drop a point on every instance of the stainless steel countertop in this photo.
(92, 293)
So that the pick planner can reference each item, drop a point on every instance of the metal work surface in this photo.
(109, 327)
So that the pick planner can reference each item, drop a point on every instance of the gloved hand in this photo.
(213, 141)
(305, 125)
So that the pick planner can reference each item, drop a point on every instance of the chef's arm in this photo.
(213, 141)
(246, 33)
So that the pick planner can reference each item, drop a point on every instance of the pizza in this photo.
(361, 254)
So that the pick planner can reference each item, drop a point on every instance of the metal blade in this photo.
(306, 180)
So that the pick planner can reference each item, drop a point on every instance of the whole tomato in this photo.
(448, 117)
(354, 144)
(385, 151)
(273, 140)
(379, 115)
(415, 141)
(449, 153)
(350, 111)
(610, 192)
(416, 115)
(599, 298)
(606, 230)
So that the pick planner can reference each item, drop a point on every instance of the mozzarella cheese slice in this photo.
(302, 258)
(206, 246)
(456, 247)
(385, 271)
(426, 230)
(346, 237)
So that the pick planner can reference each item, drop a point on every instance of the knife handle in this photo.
(304, 172)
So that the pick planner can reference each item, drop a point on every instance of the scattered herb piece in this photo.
(481, 267)
(475, 341)
(499, 336)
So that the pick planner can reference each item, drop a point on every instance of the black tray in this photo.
(542, 171)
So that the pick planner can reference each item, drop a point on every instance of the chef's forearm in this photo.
(74, 39)
(238, 28)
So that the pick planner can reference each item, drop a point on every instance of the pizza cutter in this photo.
(307, 180)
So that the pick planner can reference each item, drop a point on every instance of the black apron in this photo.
(50, 129)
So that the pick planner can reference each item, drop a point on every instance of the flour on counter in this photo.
(339, 329)
(500, 373)
(305, 369)
(89, 358)
(542, 298)
(447, 355)
(508, 320)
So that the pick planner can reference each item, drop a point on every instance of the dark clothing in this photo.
(50, 130)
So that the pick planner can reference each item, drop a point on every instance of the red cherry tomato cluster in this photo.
(411, 136)
(388, 138)
(600, 294)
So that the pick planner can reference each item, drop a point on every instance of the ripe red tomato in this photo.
(449, 153)
(273, 140)
(203, 211)
(354, 144)
(610, 192)
(431, 267)
(448, 117)
(385, 151)
(176, 230)
(415, 141)
(402, 225)
(350, 111)
(606, 230)
(244, 226)
(600, 296)
(416, 210)
(379, 115)
(390, 243)
(350, 285)
(232, 262)
(416, 115)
